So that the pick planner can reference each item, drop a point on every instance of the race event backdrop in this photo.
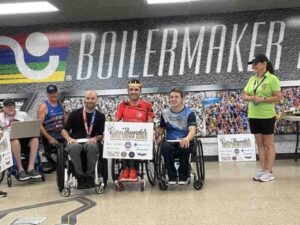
(205, 55)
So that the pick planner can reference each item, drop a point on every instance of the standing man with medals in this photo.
(83, 131)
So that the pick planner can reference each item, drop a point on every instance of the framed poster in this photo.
(236, 147)
(128, 140)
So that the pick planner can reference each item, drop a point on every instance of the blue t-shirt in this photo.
(177, 124)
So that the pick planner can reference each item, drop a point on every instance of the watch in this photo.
(265, 99)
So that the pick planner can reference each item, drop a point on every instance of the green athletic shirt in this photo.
(270, 84)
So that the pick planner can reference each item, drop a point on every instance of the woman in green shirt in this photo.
(262, 91)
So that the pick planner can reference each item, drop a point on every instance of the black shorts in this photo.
(262, 126)
(25, 144)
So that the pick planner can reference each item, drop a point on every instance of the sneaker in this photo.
(267, 176)
(23, 176)
(3, 194)
(34, 174)
(172, 181)
(182, 181)
(258, 175)
(133, 175)
(124, 175)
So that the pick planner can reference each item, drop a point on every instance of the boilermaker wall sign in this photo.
(191, 50)
(35, 57)
(128, 140)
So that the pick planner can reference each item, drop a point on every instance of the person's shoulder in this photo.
(145, 103)
(76, 111)
(123, 103)
(100, 113)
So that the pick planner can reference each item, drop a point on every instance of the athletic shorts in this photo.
(262, 126)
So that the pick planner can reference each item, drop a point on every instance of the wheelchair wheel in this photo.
(116, 168)
(66, 192)
(2, 174)
(198, 184)
(43, 177)
(163, 185)
(119, 186)
(99, 189)
(199, 158)
(151, 168)
(9, 182)
(60, 169)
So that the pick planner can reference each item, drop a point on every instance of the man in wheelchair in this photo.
(52, 115)
(178, 123)
(83, 131)
(133, 110)
(9, 115)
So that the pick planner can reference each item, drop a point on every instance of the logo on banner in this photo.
(35, 57)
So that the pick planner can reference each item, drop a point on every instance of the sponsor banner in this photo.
(128, 140)
(6, 160)
(238, 147)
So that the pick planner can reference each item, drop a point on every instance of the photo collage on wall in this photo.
(217, 112)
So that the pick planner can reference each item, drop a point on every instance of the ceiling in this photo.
(71, 11)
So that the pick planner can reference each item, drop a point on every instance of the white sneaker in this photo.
(172, 182)
(267, 176)
(258, 175)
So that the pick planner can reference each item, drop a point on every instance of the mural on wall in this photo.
(200, 51)
(217, 112)
(35, 57)
(171, 51)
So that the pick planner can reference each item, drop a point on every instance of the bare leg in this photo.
(270, 151)
(261, 150)
(16, 149)
(34, 146)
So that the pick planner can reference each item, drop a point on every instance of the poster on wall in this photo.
(6, 160)
(128, 140)
(237, 147)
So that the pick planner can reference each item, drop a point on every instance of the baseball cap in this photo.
(8, 102)
(259, 58)
(52, 88)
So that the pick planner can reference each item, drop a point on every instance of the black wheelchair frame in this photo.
(196, 157)
(149, 166)
(66, 179)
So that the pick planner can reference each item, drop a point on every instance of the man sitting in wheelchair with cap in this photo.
(178, 123)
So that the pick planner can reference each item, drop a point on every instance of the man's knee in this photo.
(93, 147)
(74, 148)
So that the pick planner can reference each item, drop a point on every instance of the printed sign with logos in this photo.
(237, 147)
(6, 160)
(128, 140)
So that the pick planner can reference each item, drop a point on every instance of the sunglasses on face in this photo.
(134, 89)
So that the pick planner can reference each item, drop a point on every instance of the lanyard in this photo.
(88, 129)
(255, 87)
(5, 125)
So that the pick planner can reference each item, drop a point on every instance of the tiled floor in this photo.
(229, 197)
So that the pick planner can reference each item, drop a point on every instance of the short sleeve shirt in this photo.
(177, 124)
(139, 113)
(265, 87)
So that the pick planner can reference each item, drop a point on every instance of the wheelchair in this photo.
(13, 171)
(66, 177)
(143, 165)
(196, 160)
